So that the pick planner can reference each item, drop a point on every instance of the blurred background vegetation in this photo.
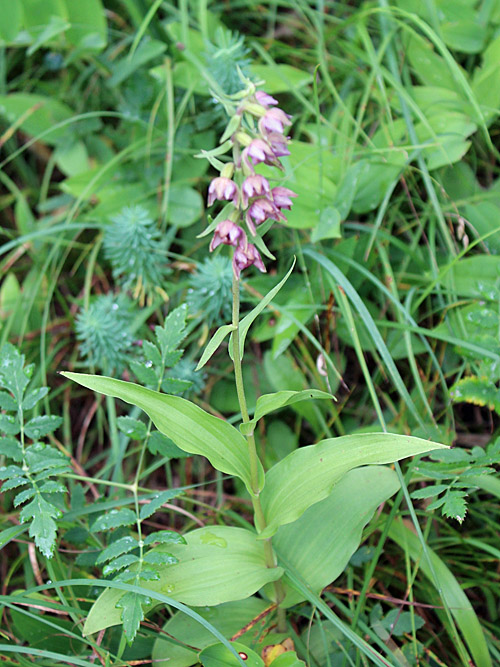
(394, 305)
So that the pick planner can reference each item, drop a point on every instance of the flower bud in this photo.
(224, 189)
(229, 233)
(281, 197)
(265, 99)
(274, 120)
(246, 256)
(254, 186)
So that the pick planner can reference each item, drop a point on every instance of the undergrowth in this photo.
(393, 307)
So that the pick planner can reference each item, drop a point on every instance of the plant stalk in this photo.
(259, 519)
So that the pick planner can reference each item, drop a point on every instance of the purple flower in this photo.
(245, 256)
(259, 151)
(229, 233)
(224, 189)
(260, 210)
(265, 99)
(254, 186)
(274, 120)
(281, 197)
(278, 144)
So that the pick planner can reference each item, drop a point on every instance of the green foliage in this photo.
(135, 247)
(456, 471)
(224, 56)
(104, 330)
(217, 564)
(395, 108)
(288, 493)
(35, 479)
(209, 293)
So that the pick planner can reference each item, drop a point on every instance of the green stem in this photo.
(259, 519)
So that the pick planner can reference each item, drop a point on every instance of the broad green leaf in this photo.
(33, 397)
(329, 225)
(132, 613)
(430, 67)
(464, 31)
(271, 402)
(219, 655)
(38, 114)
(11, 448)
(173, 331)
(191, 428)
(7, 402)
(321, 542)
(308, 474)
(228, 618)
(281, 78)
(375, 177)
(148, 50)
(486, 81)
(217, 564)
(38, 427)
(37, 14)
(115, 549)
(429, 491)
(13, 375)
(294, 314)
(135, 429)
(114, 519)
(43, 528)
(72, 158)
(214, 343)
(478, 391)
(164, 537)
(119, 563)
(288, 659)
(311, 172)
(88, 24)
(11, 533)
(160, 444)
(249, 319)
(55, 26)
(475, 276)
(157, 501)
(9, 425)
(157, 558)
(185, 205)
(398, 623)
(11, 21)
(450, 589)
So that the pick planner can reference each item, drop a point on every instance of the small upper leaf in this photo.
(271, 402)
(114, 519)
